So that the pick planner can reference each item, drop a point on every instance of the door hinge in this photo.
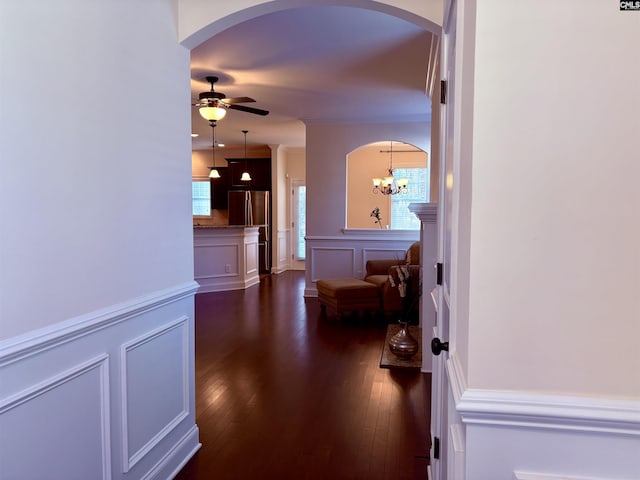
(443, 92)
(436, 448)
(438, 273)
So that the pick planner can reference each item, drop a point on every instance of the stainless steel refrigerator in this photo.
(253, 207)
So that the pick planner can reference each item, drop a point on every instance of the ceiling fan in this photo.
(213, 105)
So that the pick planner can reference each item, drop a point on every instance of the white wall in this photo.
(555, 268)
(327, 150)
(544, 361)
(96, 256)
(88, 174)
(296, 165)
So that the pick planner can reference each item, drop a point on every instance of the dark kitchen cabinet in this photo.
(258, 168)
(220, 188)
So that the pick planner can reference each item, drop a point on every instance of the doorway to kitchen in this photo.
(298, 223)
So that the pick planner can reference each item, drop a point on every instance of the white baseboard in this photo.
(222, 285)
(175, 459)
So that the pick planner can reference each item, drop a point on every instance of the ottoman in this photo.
(347, 295)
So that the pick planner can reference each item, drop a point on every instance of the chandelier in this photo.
(390, 185)
(214, 171)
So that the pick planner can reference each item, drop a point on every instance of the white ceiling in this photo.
(313, 65)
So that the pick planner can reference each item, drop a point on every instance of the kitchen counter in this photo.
(225, 257)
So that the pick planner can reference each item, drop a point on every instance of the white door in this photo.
(446, 452)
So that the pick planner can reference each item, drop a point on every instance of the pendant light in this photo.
(214, 171)
(245, 175)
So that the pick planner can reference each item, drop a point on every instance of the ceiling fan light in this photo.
(214, 173)
(245, 177)
(213, 113)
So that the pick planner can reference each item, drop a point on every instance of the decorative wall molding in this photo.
(362, 244)
(457, 378)
(185, 448)
(347, 264)
(426, 212)
(37, 341)
(283, 254)
(542, 410)
(77, 373)
(373, 234)
(457, 445)
(225, 258)
(251, 258)
(131, 458)
(100, 364)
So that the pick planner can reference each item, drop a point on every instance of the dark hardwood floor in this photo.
(284, 393)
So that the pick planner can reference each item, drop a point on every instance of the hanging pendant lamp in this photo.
(245, 175)
(214, 171)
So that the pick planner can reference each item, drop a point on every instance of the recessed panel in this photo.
(332, 262)
(252, 257)
(215, 260)
(58, 429)
(156, 380)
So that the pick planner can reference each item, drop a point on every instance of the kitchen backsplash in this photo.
(218, 217)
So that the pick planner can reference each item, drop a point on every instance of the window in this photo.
(201, 197)
(401, 217)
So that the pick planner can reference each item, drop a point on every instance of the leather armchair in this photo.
(384, 274)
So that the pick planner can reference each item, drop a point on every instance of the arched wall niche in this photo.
(372, 161)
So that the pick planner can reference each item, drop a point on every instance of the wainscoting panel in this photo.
(207, 264)
(284, 252)
(346, 255)
(251, 258)
(154, 366)
(108, 395)
(332, 262)
(45, 429)
(225, 258)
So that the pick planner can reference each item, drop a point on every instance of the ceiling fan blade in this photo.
(242, 108)
(238, 100)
